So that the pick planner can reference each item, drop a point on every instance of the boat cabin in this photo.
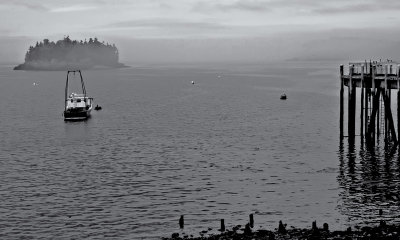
(78, 101)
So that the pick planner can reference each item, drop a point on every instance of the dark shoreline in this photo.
(381, 232)
(65, 67)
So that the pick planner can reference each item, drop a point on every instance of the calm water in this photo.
(161, 147)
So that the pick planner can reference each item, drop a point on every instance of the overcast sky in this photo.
(185, 30)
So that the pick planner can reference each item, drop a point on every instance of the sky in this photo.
(209, 30)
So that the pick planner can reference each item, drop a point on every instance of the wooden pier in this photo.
(376, 80)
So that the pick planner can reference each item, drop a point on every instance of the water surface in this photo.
(162, 147)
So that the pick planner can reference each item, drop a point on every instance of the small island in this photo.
(69, 54)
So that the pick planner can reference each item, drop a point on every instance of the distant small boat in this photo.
(77, 106)
(192, 82)
(283, 97)
(97, 108)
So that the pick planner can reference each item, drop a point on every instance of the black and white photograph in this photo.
(200, 119)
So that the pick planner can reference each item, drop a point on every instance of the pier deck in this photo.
(392, 81)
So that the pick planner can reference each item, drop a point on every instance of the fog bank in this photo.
(338, 44)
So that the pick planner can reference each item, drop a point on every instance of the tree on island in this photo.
(66, 54)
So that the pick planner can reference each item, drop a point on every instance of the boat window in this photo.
(72, 100)
(78, 100)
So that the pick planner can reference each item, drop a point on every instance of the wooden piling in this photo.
(326, 227)
(352, 105)
(373, 117)
(385, 98)
(222, 229)
(373, 105)
(341, 101)
(398, 100)
(181, 222)
(362, 104)
(282, 228)
(251, 220)
(378, 126)
(390, 101)
(366, 110)
(314, 225)
(368, 105)
(378, 118)
(389, 119)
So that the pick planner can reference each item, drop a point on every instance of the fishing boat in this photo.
(283, 97)
(77, 105)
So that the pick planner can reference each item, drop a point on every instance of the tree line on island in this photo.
(67, 54)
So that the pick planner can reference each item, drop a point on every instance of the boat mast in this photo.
(83, 84)
(66, 92)
(66, 86)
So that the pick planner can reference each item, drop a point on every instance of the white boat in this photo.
(77, 105)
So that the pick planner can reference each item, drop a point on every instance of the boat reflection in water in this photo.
(370, 183)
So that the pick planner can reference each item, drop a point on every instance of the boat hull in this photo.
(76, 115)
